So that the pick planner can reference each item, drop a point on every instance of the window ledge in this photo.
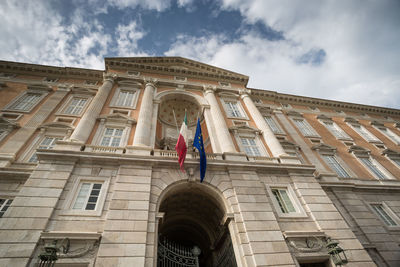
(85, 213)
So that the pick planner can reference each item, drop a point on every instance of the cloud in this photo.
(127, 40)
(342, 50)
(159, 5)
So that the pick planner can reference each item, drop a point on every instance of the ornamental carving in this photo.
(308, 244)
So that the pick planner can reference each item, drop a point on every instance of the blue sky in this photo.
(345, 50)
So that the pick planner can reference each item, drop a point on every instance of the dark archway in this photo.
(192, 217)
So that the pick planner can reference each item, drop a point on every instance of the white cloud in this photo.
(31, 33)
(128, 36)
(359, 38)
(158, 5)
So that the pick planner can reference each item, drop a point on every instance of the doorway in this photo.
(193, 226)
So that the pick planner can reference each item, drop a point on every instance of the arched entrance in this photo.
(193, 217)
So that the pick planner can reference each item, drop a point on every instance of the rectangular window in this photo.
(47, 143)
(4, 204)
(373, 168)
(397, 161)
(304, 127)
(26, 102)
(233, 109)
(335, 130)
(282, 197)
(125, 98)
(392, 136)
(365, 133)
(273, 125)
(335, 165)
(112, 137)
(383, 215)
(87, 196)
(76, 106)
(250, 146)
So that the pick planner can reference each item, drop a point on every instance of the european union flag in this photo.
(198, 143)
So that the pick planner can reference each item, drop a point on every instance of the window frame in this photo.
(299, 213)
(376, 164)
(115, 120)
(43, 92)
(392, 215)
(344, 136)
(307, 125)
(4, 205)
(384, 130)
(339, 163)
(372, 139)
(129, 87)
(65, 106)
(73, 194)
(240, 109)
(276, 124)
(251, 133)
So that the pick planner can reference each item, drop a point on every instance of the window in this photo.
(335, 165)
(125, 98)
(273, 125)
(76, 106)
(335, 130)
(126, 95)
(112, 137)
(373, 167)
(284, 202)
(47, 143)
(383, 214)
(233, 109)
(364, 133)
(304, 127)
(26, 102)
(392, 136)
(87, 197)
(4, 204)
(249, 146)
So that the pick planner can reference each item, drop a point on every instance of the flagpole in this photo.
(176, 123)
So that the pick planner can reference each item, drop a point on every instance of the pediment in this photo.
(359, 150)
(324, 147)
(174, 65)
(129, 84)
(244, 128)
(117, 117)
(377, 123)
(228, 95)
(5, 123)
(294, 113)
(264, 110)
(391, 152)
(286, 143)
(351, 120)
(58, 125)
(324, 117)
(83, 90)
(40, 86)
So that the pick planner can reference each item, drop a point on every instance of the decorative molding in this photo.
(359, 150)
(324, 117)
(323, 147)
(351, 120)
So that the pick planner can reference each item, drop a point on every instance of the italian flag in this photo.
(181, 145)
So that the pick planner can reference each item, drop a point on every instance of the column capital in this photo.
(111, 77)
(150, 81)
(244, 92)
(207, 88)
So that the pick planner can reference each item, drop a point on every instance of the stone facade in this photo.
(87, 157)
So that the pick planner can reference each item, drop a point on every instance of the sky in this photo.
(346, 50)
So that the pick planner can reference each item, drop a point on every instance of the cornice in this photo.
(304, 100)
(50, 71)
(189, 68)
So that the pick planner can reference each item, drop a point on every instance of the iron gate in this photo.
(171, 254)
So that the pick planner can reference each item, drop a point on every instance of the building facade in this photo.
(88, 165)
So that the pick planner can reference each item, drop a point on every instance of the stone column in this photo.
(143, 127)
(269, 137)
(85, 125)
(223, 135)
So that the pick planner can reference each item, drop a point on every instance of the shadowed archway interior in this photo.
(192, 217)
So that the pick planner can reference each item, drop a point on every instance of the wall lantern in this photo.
(337, 253)
(49, 257)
